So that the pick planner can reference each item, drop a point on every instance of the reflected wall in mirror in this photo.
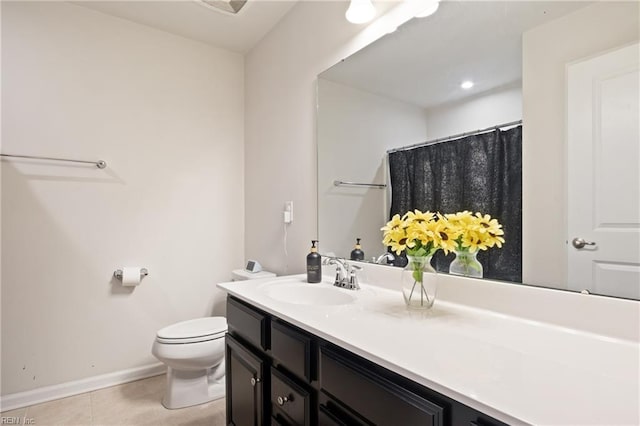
(569, 70)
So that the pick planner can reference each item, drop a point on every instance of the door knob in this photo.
(580, 243)
(254, 381)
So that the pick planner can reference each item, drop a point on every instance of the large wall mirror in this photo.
(565, 73)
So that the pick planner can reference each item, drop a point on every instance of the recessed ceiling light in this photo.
(467, 84)
(360, 11)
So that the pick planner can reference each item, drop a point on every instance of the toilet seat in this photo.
(193, 331)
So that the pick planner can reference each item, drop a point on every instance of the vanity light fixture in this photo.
(360, 11)
(430, 8)
(466, 85)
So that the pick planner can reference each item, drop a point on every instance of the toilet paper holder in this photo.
(118, 273)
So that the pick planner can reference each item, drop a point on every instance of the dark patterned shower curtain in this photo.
(477, 173)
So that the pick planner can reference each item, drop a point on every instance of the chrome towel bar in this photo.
(99, 164)
(369, 185)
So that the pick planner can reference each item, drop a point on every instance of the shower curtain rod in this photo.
(458, 136)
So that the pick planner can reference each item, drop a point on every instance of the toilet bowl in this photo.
(194, 354)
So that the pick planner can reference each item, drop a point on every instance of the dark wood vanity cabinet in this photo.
(270, 367)
(278, 374)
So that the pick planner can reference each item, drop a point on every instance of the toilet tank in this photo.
(242, 275)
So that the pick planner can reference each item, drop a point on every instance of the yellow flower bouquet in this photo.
(472, 233)
(475, 232)
(414, 232)
(418, 234)
(423, 234)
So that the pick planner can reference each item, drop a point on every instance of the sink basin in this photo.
(301, 293)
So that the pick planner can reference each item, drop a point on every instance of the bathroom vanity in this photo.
(289, 376)
(308, 354)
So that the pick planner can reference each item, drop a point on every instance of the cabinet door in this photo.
(245, 385)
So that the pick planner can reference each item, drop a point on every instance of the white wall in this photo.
(280, 110)
(502, 105)
(355, 129)
(547, 50)
(166, 114)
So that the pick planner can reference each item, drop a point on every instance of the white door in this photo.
(603, 177)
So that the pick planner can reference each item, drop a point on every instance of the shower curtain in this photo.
(482, 173)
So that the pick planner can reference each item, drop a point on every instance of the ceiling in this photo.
(191, 19)
(426, 59)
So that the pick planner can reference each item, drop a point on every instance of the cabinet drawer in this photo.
(248, 323)
(293, 350)
(372, 396)
(331, 413)
(289, 399)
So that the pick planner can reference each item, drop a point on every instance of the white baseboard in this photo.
(63, 390)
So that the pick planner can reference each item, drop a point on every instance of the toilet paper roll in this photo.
(131, 276)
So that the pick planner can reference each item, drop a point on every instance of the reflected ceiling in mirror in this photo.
(425, 61)
(405, 89)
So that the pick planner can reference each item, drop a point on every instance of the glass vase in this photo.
(419, 282)
(466, 263)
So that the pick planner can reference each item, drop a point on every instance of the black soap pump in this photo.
(357, 253)
(314, 264)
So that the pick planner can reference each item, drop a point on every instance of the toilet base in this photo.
(188, 388)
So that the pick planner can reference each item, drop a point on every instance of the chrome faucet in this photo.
(389, 257)
(346, 275)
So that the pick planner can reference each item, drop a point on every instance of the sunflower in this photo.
(445, 234)
(395, 234)
(476, 231)
(412, 232)
(394, 224)
(461, 220)
(400, 245)
(472, 241)
(417, 216)
(492, 229)
(421, 231)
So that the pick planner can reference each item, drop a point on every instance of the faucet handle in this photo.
(341, 270)
(353, 277)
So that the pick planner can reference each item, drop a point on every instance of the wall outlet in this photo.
(288, 212)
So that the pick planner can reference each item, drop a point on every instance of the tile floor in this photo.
(132, 404)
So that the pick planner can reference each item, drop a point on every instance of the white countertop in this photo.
(517, 370)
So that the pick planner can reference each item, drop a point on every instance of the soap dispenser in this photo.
(357, 253)
(314, 264)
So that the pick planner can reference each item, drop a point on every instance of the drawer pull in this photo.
(282, 399)
(254, 381)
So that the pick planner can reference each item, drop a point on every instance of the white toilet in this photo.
(194, 354)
